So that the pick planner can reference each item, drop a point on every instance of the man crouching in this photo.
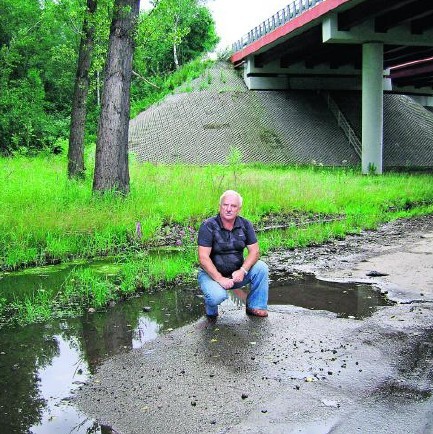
(221, 243)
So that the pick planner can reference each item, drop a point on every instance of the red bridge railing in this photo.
(292, 10)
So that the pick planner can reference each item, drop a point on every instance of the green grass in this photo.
(44, 218)
(38, 307)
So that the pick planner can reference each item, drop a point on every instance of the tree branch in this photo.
(136, 74)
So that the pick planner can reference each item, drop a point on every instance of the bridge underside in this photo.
(358, 45)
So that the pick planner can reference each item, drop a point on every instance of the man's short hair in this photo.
(234, 193)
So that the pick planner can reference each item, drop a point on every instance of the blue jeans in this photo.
(215, 294)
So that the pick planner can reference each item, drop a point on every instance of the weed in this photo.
(85, 288)
(35, 308)
(372, 169)
(223, 77)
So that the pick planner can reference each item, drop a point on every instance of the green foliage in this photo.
(181, 23)
(45, 218)
(229, 172)
(25, 123)
(372, 169)
(35, 79)
(39, 44)
(149, 94)
(186, 25)
(86, 288)
(3, 304)
(167, 267)
(33, 309)
(201, 38)
(234, 159)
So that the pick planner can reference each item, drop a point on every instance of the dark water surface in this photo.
(41, 364)
(347, 300)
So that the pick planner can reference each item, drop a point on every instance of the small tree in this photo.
(111, 164)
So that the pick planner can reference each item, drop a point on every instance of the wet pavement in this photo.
(299, 370)
(295, 371)
(346, 299)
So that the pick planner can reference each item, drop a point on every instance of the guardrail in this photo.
(292, 10)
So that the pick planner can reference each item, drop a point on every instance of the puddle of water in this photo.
(41, 364)
(347, 300)
(27, 282)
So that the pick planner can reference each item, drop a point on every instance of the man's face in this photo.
(229, 207)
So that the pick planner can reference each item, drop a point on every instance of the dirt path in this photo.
(298, 370)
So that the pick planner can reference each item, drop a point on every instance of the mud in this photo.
(298, 370)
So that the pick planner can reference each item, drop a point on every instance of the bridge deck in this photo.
(314, 33)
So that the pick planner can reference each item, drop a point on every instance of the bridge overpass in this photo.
(375, 46)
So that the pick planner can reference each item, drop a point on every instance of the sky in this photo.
(234, 18)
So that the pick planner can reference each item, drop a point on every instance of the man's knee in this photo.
(261, 267)
(216, 296)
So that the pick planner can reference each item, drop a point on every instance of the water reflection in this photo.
(56, 381)
(354, 300)
(40, 365)
(347, 300)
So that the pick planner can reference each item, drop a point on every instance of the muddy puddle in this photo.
(347, 300)
(42, 364)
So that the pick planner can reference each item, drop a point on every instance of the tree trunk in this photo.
(78, 115)
(175, 58)
(111, 163)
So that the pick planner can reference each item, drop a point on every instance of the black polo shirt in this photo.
(227, 252)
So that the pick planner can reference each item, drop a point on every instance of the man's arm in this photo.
(251, 258)
(208, 266)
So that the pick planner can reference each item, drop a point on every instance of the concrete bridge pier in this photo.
(372, 107)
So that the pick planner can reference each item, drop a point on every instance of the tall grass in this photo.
(44, 218)
(35, 308)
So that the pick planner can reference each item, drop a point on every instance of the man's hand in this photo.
(238, 275)
(226, 283)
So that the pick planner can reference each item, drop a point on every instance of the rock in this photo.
(330, 403)
(376, 274)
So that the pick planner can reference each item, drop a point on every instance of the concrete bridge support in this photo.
(372, 107)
